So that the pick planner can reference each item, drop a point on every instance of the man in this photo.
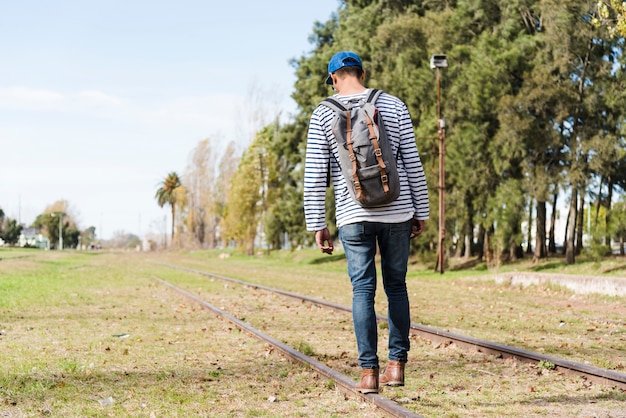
(392, 225)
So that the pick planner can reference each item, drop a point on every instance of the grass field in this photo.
(93, 334)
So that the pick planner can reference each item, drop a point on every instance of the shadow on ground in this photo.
(328, 259)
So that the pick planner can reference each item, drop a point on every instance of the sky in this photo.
(100, 100)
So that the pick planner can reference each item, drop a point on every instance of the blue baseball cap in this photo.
(340, 60)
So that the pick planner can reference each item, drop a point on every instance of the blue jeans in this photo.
(359, 243)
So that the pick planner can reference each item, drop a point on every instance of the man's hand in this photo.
(416, 228)
(324, 243)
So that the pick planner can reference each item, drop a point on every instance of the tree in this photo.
(244, 205)
(11, 231)
(534, 108)
(49, 223)
(123, 239)
(59, 215)
(88, 236)
(255, 187)
(228, 167)
(528, 116)
(580, 52)
(208, 177)
(201, 190)
(170, 193)
(618, 224)
(612, 14)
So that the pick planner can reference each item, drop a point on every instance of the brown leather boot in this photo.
(369, 381)
(394, 374)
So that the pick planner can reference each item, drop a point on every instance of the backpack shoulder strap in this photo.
(373, 96)
(334, 104)
(338, 107)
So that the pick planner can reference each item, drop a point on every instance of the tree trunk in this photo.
(516, 251)
(201, 230)
(580, 221)
(569, 210)
(552, 242)
(173, 218)
(570, 247)
(481, 242)
(529, 247)
(607, 219)
(492, 250)
(249, 241)
(458, 250)
(540, 235)
(598, 202)
(250, 247)
(486, 250)
(469, 228)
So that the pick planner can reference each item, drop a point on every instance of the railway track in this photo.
(591, 373)
(345, 383)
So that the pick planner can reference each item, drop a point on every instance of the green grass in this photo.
(63, 316)
(7, 253)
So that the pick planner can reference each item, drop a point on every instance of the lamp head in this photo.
(438, 61)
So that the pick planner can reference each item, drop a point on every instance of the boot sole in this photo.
(393, 384)
(365, 391)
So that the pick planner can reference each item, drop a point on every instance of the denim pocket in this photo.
(401, 230)
(352, 232)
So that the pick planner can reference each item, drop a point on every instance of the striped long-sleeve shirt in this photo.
(321, 150)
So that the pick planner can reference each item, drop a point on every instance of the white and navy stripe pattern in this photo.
(322, 149)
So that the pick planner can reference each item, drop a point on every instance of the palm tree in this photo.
(167, 194)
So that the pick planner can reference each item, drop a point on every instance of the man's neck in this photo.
(349, 87)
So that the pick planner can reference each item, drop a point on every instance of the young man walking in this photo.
(360, 229)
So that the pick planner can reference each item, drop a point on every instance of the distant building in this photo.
(30, 238)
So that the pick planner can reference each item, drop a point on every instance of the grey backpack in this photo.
(365, 155)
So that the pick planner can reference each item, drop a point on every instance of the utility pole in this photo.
(60, 215)
(437, 62)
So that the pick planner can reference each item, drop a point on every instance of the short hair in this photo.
(353, 70)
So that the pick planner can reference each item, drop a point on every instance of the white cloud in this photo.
(227, 113)
(99, 98)
(33, 99)
(205, 113)
(215, 111)
(26, 98)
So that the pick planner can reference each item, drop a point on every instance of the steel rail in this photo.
(346, 384)
(591, 373)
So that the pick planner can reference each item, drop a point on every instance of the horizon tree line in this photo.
(534, 105)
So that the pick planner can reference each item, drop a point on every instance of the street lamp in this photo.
(436, 63)
(60, 215)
